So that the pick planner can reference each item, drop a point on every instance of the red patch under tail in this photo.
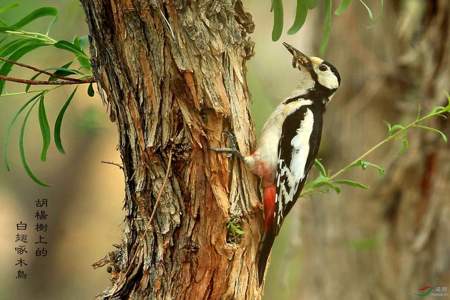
(269, 206)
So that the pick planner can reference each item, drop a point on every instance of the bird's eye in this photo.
(323, 68)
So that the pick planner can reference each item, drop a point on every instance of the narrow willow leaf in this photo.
(342, 7)
(351, 183)
(320, 167)
(311, 3)
(323, 181)
(62, 72)
(395, 128)
(10, 126)
(45, 128)
(326, 26)
(367, 8)
(58, 123)
(6, 68)
(277, 7)
(69, 47)
(365, 164)
(12, 46)
(300, 16)
(23, 158)
(90, 90)
(443, 136)
(333, 186)
(81, 41)
(82, 58)
(28, 86)
(35, 14)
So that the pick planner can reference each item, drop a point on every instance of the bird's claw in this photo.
(233, 149)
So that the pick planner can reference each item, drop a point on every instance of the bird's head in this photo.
(316, 74)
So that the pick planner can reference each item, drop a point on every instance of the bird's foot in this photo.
(232, 150)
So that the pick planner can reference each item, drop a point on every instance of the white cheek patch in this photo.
(328, 79)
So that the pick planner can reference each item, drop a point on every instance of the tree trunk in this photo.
(388, 242)
(173, 76)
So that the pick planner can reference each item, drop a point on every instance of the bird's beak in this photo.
(298, 57)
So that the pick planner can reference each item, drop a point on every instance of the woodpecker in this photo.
(289, 143)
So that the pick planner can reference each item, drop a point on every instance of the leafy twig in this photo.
(394, 132)
(29, 92)
(46, 82)
(40, 70)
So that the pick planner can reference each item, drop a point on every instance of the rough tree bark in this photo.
(173, 76)
(389, 243)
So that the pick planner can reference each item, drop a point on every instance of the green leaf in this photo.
(10, 126)
(277, 7)
(45, 128)
(36, 14)
(69, 47)
(437, 110)
(300, 16)
(58, 123)
(6, 68)
(443, 136)
(81, 41)
(90, 90)
(323, 181)
(60, 72)
(326, 26)
(311, 3)
(367, 8)
(28, 86)
(332, 186)
(395, 128)
(83, 59)
(23, 158)
(351, 183)
(65, 70)
(342, 7)
(365, 164)
(12, 46)
(320, 167)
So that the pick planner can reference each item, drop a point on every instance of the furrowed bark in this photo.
(173, 76)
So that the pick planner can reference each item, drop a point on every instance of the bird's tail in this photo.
(264, 252)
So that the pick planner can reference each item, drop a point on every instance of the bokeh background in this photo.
(369, 240)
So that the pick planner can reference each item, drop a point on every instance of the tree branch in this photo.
(40, 70)
(46, 82)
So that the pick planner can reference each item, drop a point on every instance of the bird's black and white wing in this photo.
(297, 149)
